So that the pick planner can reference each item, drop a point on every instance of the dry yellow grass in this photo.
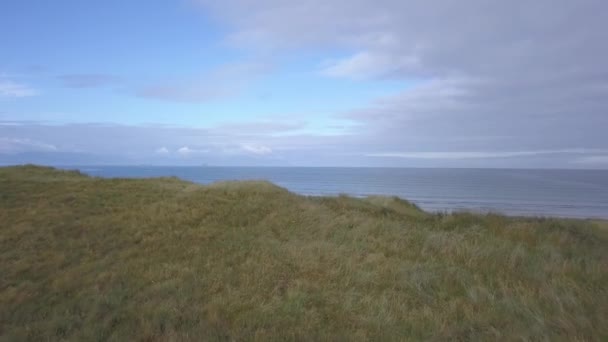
(161, 259)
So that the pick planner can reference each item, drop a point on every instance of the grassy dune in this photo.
(90, 259)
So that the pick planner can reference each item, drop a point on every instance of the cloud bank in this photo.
(489, 84)
(493, 76)
(11, 89)
(88, 80)
(166, 145)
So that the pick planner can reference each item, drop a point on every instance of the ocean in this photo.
(558, 193)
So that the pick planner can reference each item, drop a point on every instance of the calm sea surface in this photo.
(565, 193)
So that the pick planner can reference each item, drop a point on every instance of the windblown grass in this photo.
(91, 259)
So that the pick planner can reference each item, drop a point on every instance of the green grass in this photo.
(91, 259)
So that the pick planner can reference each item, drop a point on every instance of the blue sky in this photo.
(314, 83)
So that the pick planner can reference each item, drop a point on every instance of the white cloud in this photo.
(198, 146)
(162, 150)
(185, 150)
(429, 98)
(478, 155)
(10, 89)
(256, 149)
(600, 160)
(16, 145)
(367, 64)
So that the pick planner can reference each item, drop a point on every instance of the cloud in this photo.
(478, 155)
(10, 89)
(182, 92)
(593, 161)
(501, 76)
(366, 65)
(162, 150)
(17, 145)
(88, 80)
(224, 81)
(187, 151)
(261, 127)
(256, 149)
(184, 151)
(171, 145)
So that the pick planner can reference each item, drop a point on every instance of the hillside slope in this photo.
(84, 258)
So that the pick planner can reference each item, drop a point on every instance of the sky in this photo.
(362, 83)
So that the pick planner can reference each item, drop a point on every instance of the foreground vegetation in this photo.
(90, 259)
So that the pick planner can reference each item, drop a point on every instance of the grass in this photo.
(92, 259)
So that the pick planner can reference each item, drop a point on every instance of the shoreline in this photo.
(428, 206)
(431, 205)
